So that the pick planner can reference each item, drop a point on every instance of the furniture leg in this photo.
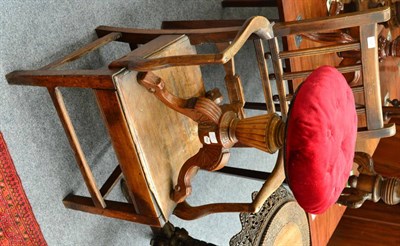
(209, 157)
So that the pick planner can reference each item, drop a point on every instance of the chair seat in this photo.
(320, 139)
(164, 138)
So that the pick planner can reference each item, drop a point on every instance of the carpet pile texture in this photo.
(18, 225)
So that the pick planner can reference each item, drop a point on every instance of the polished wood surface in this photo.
(372, 224)
(386, 156)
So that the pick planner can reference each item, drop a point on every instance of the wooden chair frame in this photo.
(101, 82)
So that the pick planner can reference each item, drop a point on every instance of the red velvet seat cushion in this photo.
(320, 139)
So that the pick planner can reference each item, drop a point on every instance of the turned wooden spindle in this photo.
(265, 132)
(390, 191)
(378, 187)
(369, 185)
(386, 48)
(219, 128)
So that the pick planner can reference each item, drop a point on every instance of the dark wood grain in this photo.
(386, 156)
(98, 79)
(372, 224)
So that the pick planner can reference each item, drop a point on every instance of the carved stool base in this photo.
(279, 217)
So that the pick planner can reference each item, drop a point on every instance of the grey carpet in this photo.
(33, 33)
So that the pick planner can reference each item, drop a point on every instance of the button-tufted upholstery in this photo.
(320, 139)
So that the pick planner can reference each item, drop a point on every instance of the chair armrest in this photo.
(97, 79)
(256, 25)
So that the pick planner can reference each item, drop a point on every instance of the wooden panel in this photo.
(379, 212)
(386, 156)
(322, 226)
(358, 232)
(372, 224)
(164, 138)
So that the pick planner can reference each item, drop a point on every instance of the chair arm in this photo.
(256, 25)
